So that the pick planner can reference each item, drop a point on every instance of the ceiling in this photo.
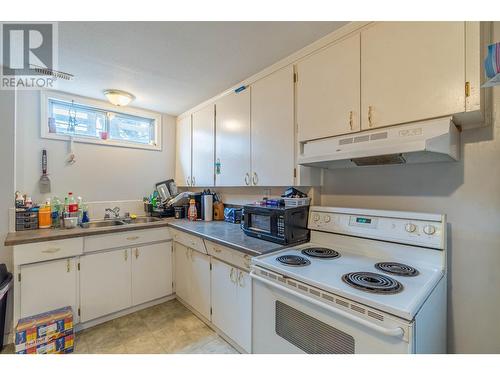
(173, 66)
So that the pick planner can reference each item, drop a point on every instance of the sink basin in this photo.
(107, 223)
(142, 220)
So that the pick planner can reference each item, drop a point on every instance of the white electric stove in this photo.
(369, 281)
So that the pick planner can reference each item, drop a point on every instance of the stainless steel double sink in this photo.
(117, 222)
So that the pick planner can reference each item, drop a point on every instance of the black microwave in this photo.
(283, 225)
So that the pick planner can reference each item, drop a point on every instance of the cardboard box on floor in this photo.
(50, 332)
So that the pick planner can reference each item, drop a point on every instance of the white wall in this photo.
(469, 193)
(101, 173)
(7, 136)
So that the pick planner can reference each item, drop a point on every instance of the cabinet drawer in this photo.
(228, 255)
(186, 239)
(125, 239)
(42, 251)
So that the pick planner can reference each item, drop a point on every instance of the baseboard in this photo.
(119, 314)
(213, 327)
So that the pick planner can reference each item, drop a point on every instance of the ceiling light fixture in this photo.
(119, 97)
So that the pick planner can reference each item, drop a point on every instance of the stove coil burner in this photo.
(321, 252)
(293, 260)
(372, 282)
(398, 269)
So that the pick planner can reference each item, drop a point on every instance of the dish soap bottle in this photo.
(192, 212)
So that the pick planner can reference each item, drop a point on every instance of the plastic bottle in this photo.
(44, 216)
(72, 203)
(192, 212)
(55, 206)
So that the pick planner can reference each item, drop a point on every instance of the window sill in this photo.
(101, 142)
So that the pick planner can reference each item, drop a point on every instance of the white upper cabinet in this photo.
(232, 144)
(272, 129)
(183, 152)
(203, 147)
(411, 71)
(328, 91)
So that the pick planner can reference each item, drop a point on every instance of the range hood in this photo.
(418, 142)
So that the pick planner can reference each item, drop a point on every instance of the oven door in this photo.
(284, 321)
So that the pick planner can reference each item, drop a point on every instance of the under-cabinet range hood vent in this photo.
(419, 142)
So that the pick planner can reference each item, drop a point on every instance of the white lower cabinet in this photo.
(192, 278)
(232, 302)
(151, 272)
(105, 285)
(47, 286)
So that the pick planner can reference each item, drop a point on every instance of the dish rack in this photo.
(296, 202)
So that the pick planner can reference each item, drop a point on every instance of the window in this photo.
(92, 121)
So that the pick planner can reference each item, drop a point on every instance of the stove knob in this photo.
(327, 218)
(315, 217)
(429, 229)
(410, 228)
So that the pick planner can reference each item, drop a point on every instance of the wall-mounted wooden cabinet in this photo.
(272, 130)
(195, 143)
(411, 71)
(232, 143)
(328, 91)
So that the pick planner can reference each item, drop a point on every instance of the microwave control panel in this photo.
(281, 226)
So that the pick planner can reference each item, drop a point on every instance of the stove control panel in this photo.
(411, 230)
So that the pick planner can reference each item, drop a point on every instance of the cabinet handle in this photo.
(68, 265)
(231, 275)
(51, 250)
(132, 238)
(255, 178)
(187, 253)
(247, 179)
(240, 278)
(370, 116)
(187, 181)
(350, 120)
(126, 255)
(136, 253)
(217, 250)
(193, 181)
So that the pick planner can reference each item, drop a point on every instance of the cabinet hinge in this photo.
(79, 312)
(19, 277)
(294, 172)
(295, 77)
(467, 89)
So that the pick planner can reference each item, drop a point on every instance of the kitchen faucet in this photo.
(115, 211)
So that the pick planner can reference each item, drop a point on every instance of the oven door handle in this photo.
(393, 332)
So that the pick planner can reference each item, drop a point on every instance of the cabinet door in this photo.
(204, 147)
(200, 283)
(47, 286)
(411, 71)
(182, 271)
(183, 152)
(105, 283)
(272, 129)
(151, 272)
(243, 335)
(224, 303)
(232, 145)
(328, 91)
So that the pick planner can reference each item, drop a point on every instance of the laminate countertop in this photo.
(227, 234)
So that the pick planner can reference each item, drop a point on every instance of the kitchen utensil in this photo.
(44, 182)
